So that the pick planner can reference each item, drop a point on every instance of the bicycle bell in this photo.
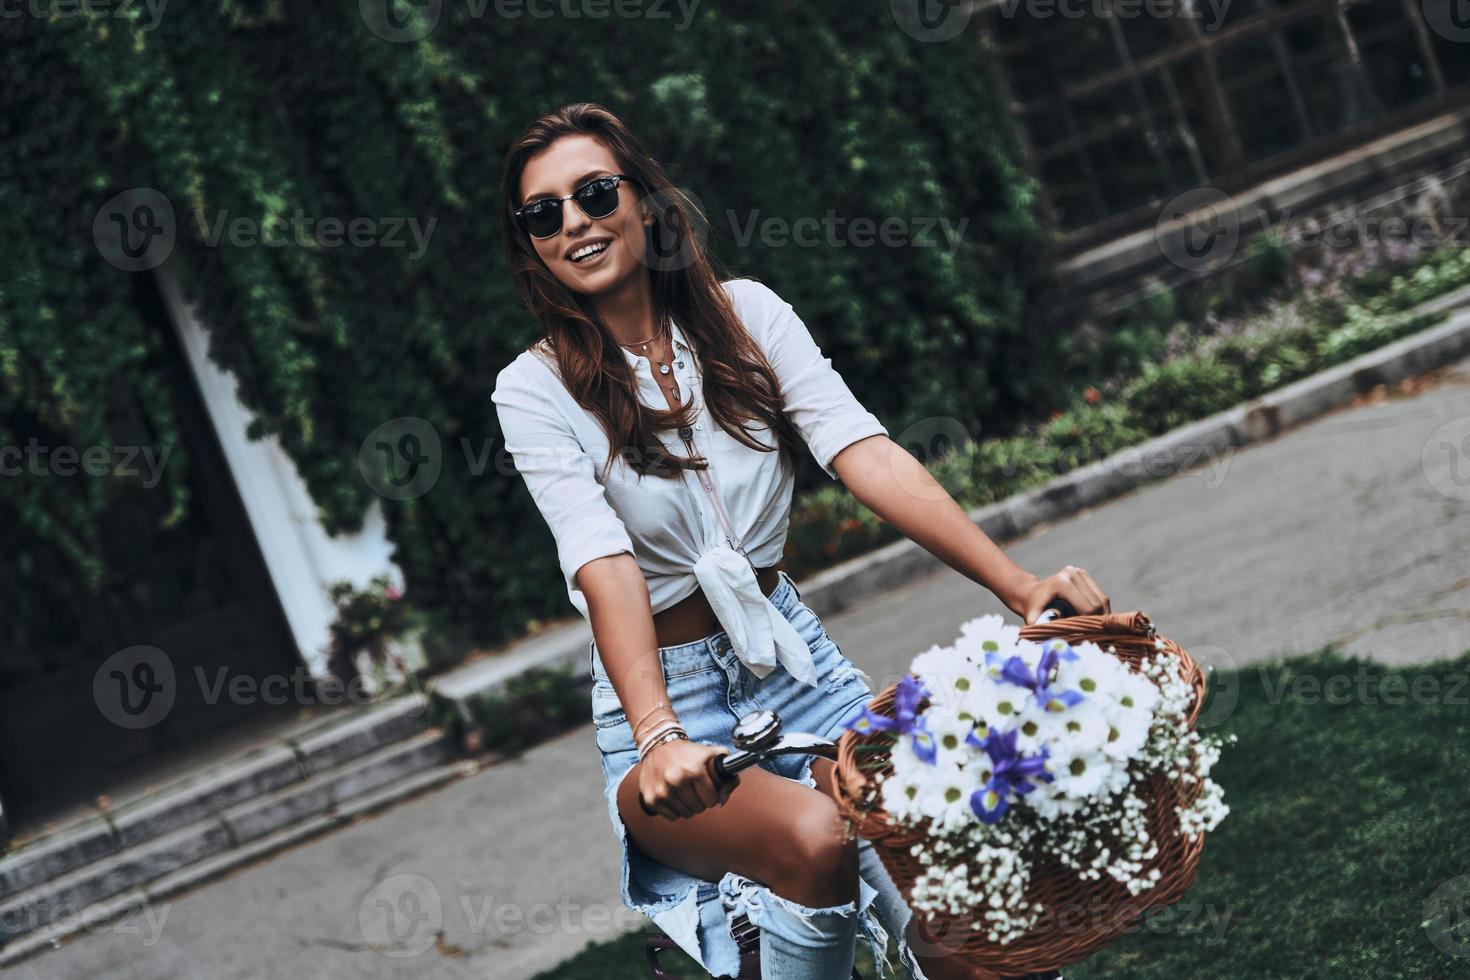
(757, 730)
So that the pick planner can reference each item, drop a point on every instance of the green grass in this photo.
(1349, 811)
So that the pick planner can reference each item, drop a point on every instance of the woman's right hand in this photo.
(675, 779)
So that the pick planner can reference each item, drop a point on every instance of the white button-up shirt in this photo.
(672, 527)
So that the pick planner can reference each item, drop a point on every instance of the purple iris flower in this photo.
(924, 745)
(906, 700)
(1039, 683)
(866, 722)
(1010, 772)
(906, 703)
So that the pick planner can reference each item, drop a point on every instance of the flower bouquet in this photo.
(1035, 790)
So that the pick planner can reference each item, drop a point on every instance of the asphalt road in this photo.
(1353, 529)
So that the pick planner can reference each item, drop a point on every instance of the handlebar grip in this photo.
(1060, 607)
(717, 773)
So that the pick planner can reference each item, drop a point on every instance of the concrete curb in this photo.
(275, 768)
(215, 865)
(901, 562)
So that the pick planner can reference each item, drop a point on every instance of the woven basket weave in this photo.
(1080, 917)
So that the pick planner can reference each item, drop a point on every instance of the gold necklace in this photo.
(663, 366)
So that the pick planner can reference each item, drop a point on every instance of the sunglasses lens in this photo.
(542, 219)
(599, 198)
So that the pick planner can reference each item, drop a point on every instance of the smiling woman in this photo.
(672, 556)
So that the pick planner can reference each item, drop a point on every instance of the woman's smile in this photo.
(582, 258)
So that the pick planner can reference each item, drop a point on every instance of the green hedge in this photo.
(770, 109)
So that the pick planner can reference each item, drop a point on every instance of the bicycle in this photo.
(756, 737)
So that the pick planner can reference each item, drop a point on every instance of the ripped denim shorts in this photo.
(710, 689)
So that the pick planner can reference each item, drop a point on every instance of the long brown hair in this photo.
(739, 385)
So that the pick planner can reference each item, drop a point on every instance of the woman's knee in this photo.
(814, 865)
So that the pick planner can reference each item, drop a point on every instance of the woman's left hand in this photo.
(1072, 584)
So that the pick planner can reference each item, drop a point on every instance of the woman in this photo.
(669, 545)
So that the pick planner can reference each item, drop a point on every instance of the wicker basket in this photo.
(1083, 916)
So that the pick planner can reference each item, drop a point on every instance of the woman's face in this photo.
(557, 171)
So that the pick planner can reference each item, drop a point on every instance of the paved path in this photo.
(1343, 530)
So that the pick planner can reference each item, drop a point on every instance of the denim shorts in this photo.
(709, 689)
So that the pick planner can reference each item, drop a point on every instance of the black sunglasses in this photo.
(597, 198)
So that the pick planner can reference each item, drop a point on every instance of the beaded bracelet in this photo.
(662, 726)
(672, 735)
(648, 741)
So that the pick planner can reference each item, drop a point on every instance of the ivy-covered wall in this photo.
(301, 112)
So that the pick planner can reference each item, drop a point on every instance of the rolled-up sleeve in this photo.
(819, 403)
(559, 473)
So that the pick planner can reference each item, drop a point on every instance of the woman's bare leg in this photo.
(936, 966)
(772, 830)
